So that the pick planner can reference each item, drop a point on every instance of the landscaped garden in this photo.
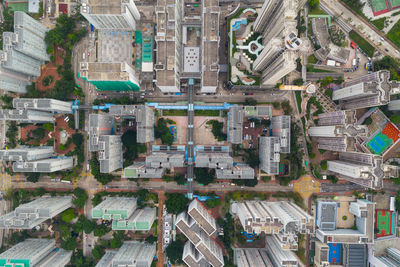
(244, 47)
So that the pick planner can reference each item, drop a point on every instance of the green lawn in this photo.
(298, 100)
(394, 34)
(316, 11)
(379, 23)
(211, 113)
(362, 43)
(312, 59)
(174, 112)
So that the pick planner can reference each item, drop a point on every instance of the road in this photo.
(362, 27)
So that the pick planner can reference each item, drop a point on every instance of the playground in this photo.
(384, 222)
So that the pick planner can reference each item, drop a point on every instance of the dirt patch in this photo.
(203, 134)
(382, 202)
(181, 128)
(50, 69)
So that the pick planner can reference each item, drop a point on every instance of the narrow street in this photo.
(160, 253)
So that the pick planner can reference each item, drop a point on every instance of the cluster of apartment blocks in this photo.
(172, 65)
(36, 253)
(198, 225)
(108, 145)
(35, 159)
(171, 33)
(277, 23)
(281, 221)
(22, 54)
(44, 253)
(124, 214)
(340, 130)
(115, 20)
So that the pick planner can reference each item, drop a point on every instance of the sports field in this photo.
(379, 7)
(383, 222)
(379, 143)
(395, 3)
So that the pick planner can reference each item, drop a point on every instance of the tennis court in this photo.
(395, 3)
(383, 223)
(379, 7)
(379, 143)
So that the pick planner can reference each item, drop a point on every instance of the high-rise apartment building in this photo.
(270, 154)
(110, 153)
(370, 90)
(13, 81)
(279, 256)
(144, 117)
(28, 37)
(364, 169)
(338, 131)
(43, 104)
(198, 226)
(281, 128)
(132, 253)
(26, 116)
(277, 23)
(111, 14)
(26, 153)
(22, 54)
(282, 219)
(168, 65)
(209, 46)
(44, 165)
(252, 257)
(35, 253)
(29, 215)
(99, 124)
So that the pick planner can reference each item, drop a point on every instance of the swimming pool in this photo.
(238, 23)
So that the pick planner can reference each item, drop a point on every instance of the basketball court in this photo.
(384, 223)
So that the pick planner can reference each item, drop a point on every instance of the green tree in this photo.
(298, 82)
(101, 230)
(80, 198)
(250, 102)
(179, 178)
(151, 239)
(115, 243)
(204, 176)
(313, 3)
(69, 244)
(33, 177)
(68, 215)
(97, 252)
(175, 202)
(324, 165)
(175, 251)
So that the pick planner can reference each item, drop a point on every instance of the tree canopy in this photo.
(174, 251)
(175, 202)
